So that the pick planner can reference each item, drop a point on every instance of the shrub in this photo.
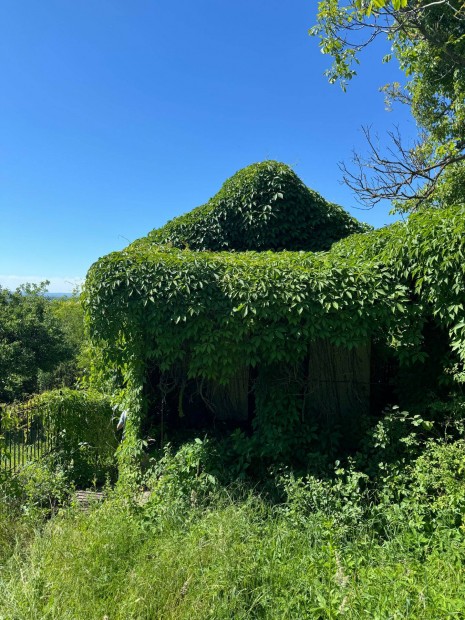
(233, 558)
(83, 430)
(180, 480)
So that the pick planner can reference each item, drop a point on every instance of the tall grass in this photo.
(231, 559)
(349, 546)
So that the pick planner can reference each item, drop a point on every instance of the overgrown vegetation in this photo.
(40, 342)
(203, 315)
(264, 206)
(295, 503)
(82, 422)
(275, 521)
(289, 514)
(31, 341)
(77, 430)
(378, 536)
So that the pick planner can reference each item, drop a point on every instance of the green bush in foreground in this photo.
(78, 432)
(390, 545)
(80, 421)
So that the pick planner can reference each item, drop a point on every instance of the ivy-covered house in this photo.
(264, 303)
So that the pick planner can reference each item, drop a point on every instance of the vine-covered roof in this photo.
(264, 206)
(214, 310)
(209, 313)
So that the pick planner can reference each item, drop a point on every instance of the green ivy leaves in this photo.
(257, 306)
(211, 312)
(264, 206)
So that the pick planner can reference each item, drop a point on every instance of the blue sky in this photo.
(116, 116)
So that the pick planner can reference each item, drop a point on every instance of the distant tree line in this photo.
(40, 341)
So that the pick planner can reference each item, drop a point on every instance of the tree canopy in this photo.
(428, 41)
(33, 342)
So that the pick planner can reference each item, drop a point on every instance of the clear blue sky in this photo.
(118, 115)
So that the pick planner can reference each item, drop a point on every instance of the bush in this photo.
(181, 480)
(43, 486)
(82, 447)
(231, 558)
(83, 430)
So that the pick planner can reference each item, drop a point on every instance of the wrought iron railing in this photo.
(25, 435)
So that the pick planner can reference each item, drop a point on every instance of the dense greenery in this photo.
(70, 316)
(180, 537)
(82, 422)
(78, 429)
(32, 341)
(42, 342)
(275, 520)
(381, 536)
(214, 312)
(264, 206)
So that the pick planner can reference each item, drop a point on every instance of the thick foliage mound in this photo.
(76, 427)
(264, 206)
(215, 310)
(212, 313)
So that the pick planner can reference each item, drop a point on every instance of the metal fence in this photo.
(25, 435)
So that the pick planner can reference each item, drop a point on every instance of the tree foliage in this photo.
(428, 41)
(31, 340)
(42, 341)
(67, 373)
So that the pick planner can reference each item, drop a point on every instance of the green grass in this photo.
(346, 546)
(233, 559)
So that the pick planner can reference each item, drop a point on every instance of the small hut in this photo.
(247, 310)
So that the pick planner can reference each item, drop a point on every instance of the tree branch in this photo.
(401, 174)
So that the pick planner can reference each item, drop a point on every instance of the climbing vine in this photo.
(264, 206)
(213, 312)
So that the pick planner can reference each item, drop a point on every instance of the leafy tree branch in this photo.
(428, 41)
